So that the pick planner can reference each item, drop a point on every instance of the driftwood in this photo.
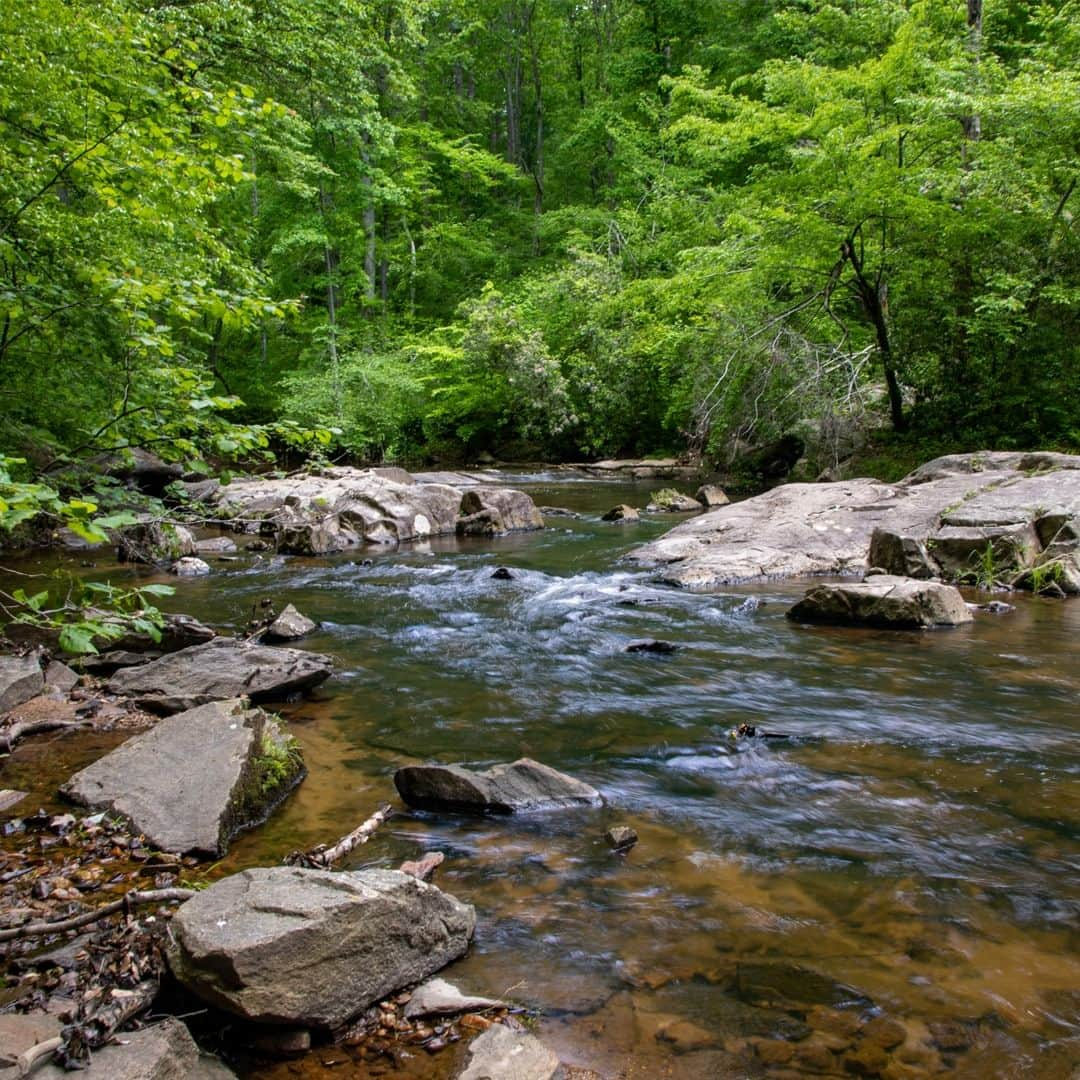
(424, 868)
(323, 857)
(20, 729)
(128, 901)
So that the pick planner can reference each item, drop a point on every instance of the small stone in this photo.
(437, 997)
(814, 1056)
(290, 625)
(189, 566)
(833, 1021)
(685, 1037)
(651, 645)
(621, 837)
(868, 1060)
(994, 607)
(502, 573)
(622, 512)
(951, 1035)
(476, 1022)
(774, 1051)
(215, 545)
(884, 1032)
(500, 1052)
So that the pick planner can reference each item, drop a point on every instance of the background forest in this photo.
(543, 228)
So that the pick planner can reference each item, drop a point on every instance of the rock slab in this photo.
(285, 945)
(938, 521)
(20, 680)
(519, 787)
(885, 601)
(219, 671)
(194, 780)
(502, 1054)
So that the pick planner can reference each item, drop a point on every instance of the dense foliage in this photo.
(556, 227)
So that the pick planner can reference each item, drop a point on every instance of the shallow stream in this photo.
(915, 840)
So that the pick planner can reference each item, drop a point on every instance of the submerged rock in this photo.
(502, 573)
(621, 837)
(218, 671)
(521, 786)
(195, 779)
(283, 945)
(290, 625)
(20, 680)
(884, 601)
(964, 516)
(651, 645)
(502, 1054)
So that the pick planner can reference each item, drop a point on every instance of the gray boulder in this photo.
(502, 1054)
(670, 501)
(215, 545)
(290, 625)
(622, 512)
(711, 496)
(153, 541)
(963, 516)
(886, 601)
(20, 680)
(60, 678)
(519, 787)
(195, 779)
(284, 945)
(516, 510)
(189, 566)
(218, 671)
(163, 1051)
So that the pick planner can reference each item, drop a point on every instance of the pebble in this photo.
(621, 837)
(774, 1051)
(884, 1032)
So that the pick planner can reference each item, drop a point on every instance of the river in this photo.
(914, 841)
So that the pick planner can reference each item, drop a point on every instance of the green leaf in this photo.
(77, 639)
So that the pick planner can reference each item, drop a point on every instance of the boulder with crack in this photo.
(193, 781)
(220, 670)
(284, 945)
(519, 787)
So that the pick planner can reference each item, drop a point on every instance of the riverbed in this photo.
(914, 840)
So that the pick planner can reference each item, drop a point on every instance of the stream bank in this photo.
(911, 841)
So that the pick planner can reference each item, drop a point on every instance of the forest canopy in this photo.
(546, 228)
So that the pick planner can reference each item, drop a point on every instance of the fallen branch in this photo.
(323, 857)
(129, 900)
(11, 735)
(30, 1058)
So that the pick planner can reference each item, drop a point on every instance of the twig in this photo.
(323, 857)
(128, 900)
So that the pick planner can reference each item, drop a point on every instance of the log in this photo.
(11, 734)
(323, 857)
(129, 900)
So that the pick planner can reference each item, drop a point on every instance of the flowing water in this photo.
(914, 841)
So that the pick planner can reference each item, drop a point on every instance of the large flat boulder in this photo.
(885, 601)
(193, 781)
(519, 787)
(284, 945)
(340, 508)
(960, 517)
(218, 671)
(21, 679)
